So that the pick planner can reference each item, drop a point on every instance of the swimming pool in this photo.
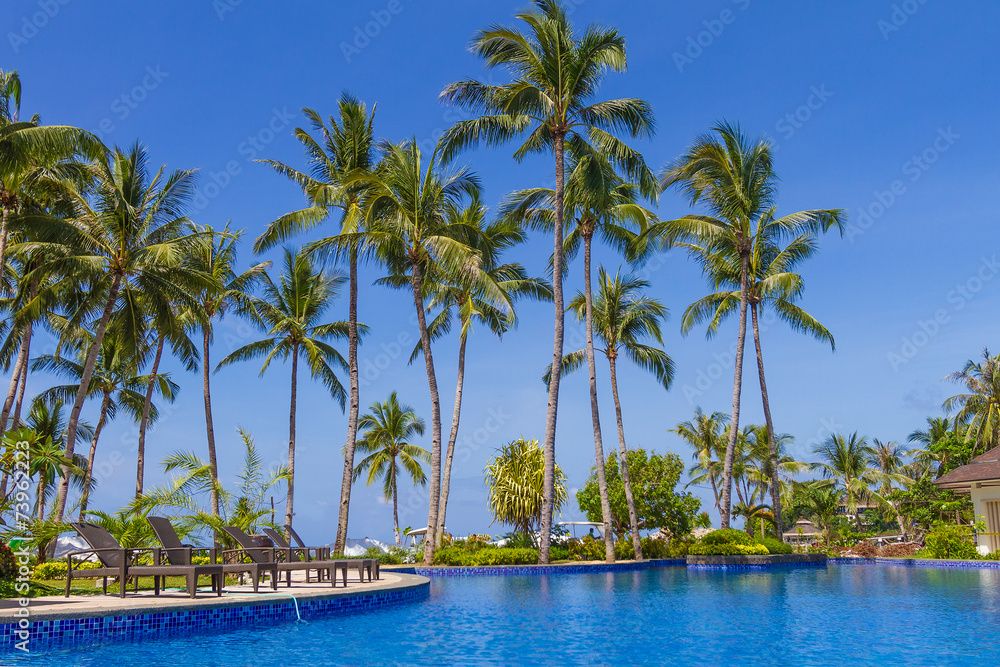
(847, 614)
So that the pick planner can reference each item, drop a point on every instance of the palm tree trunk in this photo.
(633, 517)
(734, 422)
(289, 509)
(40, 501)
(4, 222)
(20, 366)
(352, 417)
(209, 426)
(22, 387)
(88, 475)
(548, 484)
(446, 480)
(772, 446)
(435, 491)
(147, 404)
(81, 396)
(395, 508)
(602, 482)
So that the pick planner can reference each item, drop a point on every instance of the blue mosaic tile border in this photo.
(920, 562)
(754, 566)
(44, 634)
(629, 566)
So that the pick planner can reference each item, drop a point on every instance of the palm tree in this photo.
(887, 458)
(735, 179)
(706, 434)
(115, 382)
(215, 256)
(599, 201)
(411, 228)
(556, 74)
(25, 144)
(128, 246)
(457, 297)
(388, 429)
(345, 148)
(822, 503)
(622, 317)
(290, 313)
(848, 461)
(978, 410)
(45, 430)
(770, 282)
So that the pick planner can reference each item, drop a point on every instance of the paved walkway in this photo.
(77, 606)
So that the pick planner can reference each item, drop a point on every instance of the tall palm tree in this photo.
(215, 256)
(388, 430)
(24, 144)
(979, 409)
(127, 244)
(115, 382)
(290, 313)
(888, 458)
(343, 149)
(459, 298)
(848, 461)
(771, 282)
(45, 430)
(734, 178)
(822, 503)
(706, 434)
(556, 74)
(599, 202)
(622, 316)
(410, 226)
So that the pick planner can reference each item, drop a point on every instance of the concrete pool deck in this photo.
(146, 602)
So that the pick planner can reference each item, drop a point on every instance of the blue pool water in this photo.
(841, 614)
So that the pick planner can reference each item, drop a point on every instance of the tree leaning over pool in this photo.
(556, 72)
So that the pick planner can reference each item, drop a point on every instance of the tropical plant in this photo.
(387, 433)
(887, 458)
(822, 503)
(734, 178)
(114, 382)
(979, 409)
(658, 503)
(215, 256)
(706, 434)
(344, 149)
(556, 74)
(848, 462)
(515, 481)
(290, 313)
(128, 247)
(410, 227)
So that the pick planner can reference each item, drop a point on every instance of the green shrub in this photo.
(8, 563)
(726, 536)
(56, 569)
(773, 546)
(728, 550)
(586, 548)
(655, 548)
(950, 541)
(486, 556)
(623, 549)
(559, 552)
(995, 555)
(201, 560)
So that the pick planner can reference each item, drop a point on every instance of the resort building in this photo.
(981, 479)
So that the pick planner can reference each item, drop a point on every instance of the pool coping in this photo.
(167, 617)
(556, 568)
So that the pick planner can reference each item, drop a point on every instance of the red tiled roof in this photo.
(983, 467)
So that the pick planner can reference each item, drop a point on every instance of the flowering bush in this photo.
(728, 550)
(8, 563)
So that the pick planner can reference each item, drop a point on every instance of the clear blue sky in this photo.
(876, 106)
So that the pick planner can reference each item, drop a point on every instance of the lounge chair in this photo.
(120, 562)
(180, 554)
(302, 553)
(259, 554)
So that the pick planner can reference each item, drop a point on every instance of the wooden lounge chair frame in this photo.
(290, 563)
(123, 563)
(301, 552)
